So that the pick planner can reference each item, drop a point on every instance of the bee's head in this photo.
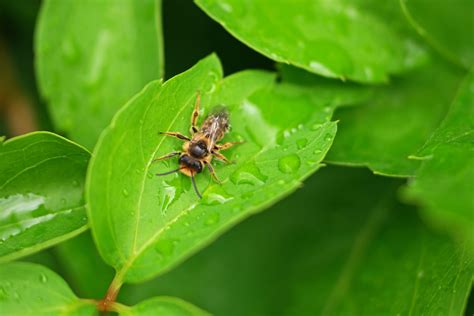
(189, 165)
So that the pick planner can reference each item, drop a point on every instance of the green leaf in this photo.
(446, 25)
(41, 193)
(92, 56)
(142, 224)
(169, 306)
(396, 122)
(444, 183)
(342, 245)
(30, 289)
(330, 38)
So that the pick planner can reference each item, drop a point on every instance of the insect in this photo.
(199, 150)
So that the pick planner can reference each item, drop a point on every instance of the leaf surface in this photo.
(92, 56)
(30, 289)
(143, 224)
(334, 39)
(342, 245)
(168, 306)
(396, 122)
(41, 192)
(444, 184)
(446, 25)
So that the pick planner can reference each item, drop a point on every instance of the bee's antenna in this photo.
(169, 172)
(195, 187)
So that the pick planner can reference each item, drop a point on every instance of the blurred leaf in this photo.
(83, 268)
(166, 306)
(396, 122)
(444, 185)
(41, 193)
(341, 245)
(30, 289)
(92, 56)
(335, 39)
(144, 225)
(447, 25)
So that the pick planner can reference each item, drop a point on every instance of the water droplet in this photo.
(248, 174)
(316, 126)
(321, 69)
(186, 224)
(164, 247)
(212, 219)
(75, 183)
(317, 151)
(420, 274)
(289, 164)
(226, 7)
(301, 143)
(149, 175)
(328, 137)
(125, 192)
(43, 278)
(215, 194)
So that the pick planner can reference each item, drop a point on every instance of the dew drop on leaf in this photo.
(248, 174)
(289, 164)
(125, 192)
(164, 247)
(43, 278)
(301, 143)
(215, 194)
(212, 219)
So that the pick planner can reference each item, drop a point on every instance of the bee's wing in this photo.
(215, 127)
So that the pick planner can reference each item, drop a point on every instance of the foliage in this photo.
(361, 83)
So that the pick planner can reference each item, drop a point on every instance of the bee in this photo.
(198, 151)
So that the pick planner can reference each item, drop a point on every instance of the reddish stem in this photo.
(105, 304)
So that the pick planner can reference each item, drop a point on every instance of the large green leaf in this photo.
(142, 224)
(166, 306)
(28, 289)
(41, 193)
(341, 245)
(338, 39)
(396, 122)
(446, 25)
(92, 56)
(444, 185)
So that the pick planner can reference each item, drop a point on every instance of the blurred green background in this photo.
(269, 264)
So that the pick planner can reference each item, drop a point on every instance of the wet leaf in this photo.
(444, 183)
(31, 289)
(446, 25)
(143, 225)
(41, 193)
(168, 306)
(335, 39)
(396, 122)
(92, 56)
(342, 245)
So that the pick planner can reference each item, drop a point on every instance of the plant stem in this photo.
(106, 304)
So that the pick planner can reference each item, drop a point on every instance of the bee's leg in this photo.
(172, 154)
(195, 115)
(221, 157)
(226, 145)
(213, 173)
(177, 135)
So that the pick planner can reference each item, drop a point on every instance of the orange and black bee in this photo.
(202, 146)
